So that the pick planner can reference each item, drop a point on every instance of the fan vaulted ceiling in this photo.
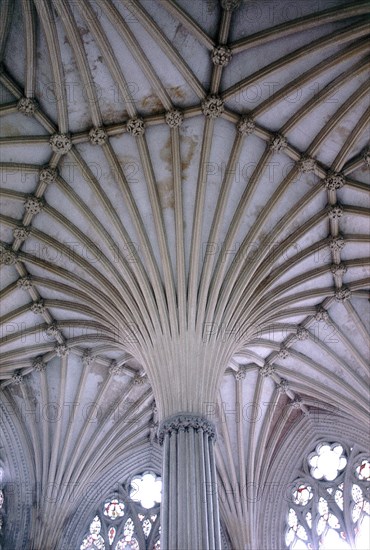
(176, 214)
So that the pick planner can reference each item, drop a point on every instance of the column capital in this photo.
(184, 421)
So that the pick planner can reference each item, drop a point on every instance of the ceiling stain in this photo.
(83, 31)
(176, 92)
(343, 131)
(10, 129)
(166, 193)
(152, 103)
(189, 143)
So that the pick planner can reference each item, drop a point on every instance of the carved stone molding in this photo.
(230, 5)
(38, 308)
(335, 211)
(53, 330)
(60, 143)
(33, 205)
(61, 350)
(25, 283)
(139, 380)
(21, 233)
(27, 106)
(296, 403)
(17, 378)
(321, 314)
(246, 125)
(343, 294)
(7, 256)
(267, 369)
(213, 106)
(278, 143)
(115, 368)
(306, 164)
(333, 181)
(48, 175)
(98, 136)
(87, 358)
(184, 421)
(241, 374)
(221, 55)
(336, 243)
(366, 157)
(282, 386)
(302, 333)
(174, 118)
(283, 352)
(135, 126)
(338, 269)
(39, 365)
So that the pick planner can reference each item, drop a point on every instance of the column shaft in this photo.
(190, 519)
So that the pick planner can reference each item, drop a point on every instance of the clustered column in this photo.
(189, 517)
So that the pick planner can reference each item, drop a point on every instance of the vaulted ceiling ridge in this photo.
(361, 127)
(83, 237)
(325, 93)
(130, 40)
(356, 8)
(156, 32)
(188, 22)
(70, 26)
(47, 22)
(331, 61)
(340, 37)
(335, 119)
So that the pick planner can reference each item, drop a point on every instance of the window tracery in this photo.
(329, 502)
(128, 521)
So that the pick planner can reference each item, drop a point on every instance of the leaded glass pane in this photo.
(93, 542)
(363, 471)
(124, 544)
(114, 509)
(111, 535)
(147, 526)
(326, 523)
(122, 522)
(302, 494)
(95, 525)
(129, 528)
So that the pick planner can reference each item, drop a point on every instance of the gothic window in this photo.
(128, 520)
(329, 502)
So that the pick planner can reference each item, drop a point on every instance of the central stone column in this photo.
(189, 516)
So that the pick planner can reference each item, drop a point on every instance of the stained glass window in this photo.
(126, 522)
(329, 501)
